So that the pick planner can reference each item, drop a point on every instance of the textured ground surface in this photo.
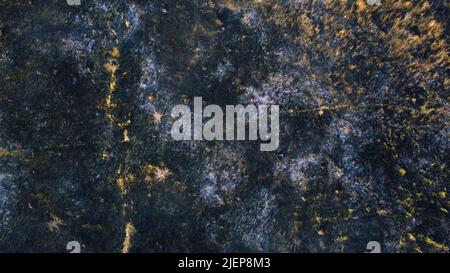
(86, 155)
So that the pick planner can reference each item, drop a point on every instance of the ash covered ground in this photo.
(86, 153)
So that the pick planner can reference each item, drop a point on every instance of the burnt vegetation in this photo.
(86, 154)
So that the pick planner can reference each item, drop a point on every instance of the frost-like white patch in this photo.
(133, 17)
(77, 44)
(282, 88)
(149, 84)
(5, 58)
(277, 86)
(296, 170)
(155, 97)
(102, 7)
(344, 133)
(209, 192)
(222, 171)
(6, 197)
(250, 18)
(223, 69)
(343, 129)
(253, 221)
(150, 74)
(84, 20)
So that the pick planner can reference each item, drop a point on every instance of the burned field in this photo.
(86, 153)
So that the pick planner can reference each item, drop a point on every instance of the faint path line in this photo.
(398, 108)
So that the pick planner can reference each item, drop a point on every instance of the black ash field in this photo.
(86, 153)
